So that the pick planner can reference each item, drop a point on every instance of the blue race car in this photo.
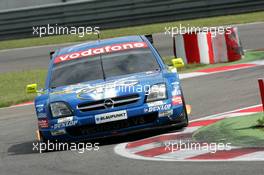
(108, 87)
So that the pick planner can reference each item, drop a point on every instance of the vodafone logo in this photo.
(100, 50)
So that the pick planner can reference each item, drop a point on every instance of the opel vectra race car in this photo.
(108, 87)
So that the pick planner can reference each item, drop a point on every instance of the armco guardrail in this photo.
(116, 13)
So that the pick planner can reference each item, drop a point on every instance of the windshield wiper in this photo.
(101, 60)
(102, 66)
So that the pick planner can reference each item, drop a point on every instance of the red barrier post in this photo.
(261, 88)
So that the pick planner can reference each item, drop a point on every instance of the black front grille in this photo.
(100, 104)
(112, 126)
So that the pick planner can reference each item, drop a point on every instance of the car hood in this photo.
(103, 89)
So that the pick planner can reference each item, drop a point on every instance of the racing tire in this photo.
(185, 114)
(45, 141)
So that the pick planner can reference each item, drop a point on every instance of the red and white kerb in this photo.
(203, 47)
(100, 50)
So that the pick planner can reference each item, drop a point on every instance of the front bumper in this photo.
(138, 119)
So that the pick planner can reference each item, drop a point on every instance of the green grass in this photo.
(239, 131)
(144, 29)
(260, 121)
(13, 86)
(13, 83)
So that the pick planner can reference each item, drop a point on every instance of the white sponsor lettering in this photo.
(101, 50)
(65, 124)
(65, 119)
(111, 116)
(158, 108)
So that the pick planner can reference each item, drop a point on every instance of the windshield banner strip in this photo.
(100, 50)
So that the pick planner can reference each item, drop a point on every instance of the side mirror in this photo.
(31, 88)
(150, 38)
(51, 54)
(177, 62)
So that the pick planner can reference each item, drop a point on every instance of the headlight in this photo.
(157, 92)
(60, 109)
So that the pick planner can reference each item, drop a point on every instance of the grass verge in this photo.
(143, 29)
(13, 86)
(13, 83)
(239, 131)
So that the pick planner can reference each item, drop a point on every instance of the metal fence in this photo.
(117, 13)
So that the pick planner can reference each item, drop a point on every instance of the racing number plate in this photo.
(110, 117)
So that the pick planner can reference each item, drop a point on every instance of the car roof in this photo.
(98, 43)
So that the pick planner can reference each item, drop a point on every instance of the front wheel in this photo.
(185, 115)
(185, 118)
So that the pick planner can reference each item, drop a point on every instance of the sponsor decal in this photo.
(40, 108)
(100, 90)
(176, 100)
(64, 124)
(155, 103)
(100, 50)
(176, 89)
(157, 107)
(166, 113)
(58, 132)
(111, 116)
(65, 119)
(41, 115)
(43, 123)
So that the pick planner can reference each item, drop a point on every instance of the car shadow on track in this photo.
(21, 148)
(28, 146)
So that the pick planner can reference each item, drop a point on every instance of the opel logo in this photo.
(108, 103)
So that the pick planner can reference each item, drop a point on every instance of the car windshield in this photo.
(109, 65)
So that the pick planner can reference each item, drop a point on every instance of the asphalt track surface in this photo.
(251, 36)
(208, 94)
